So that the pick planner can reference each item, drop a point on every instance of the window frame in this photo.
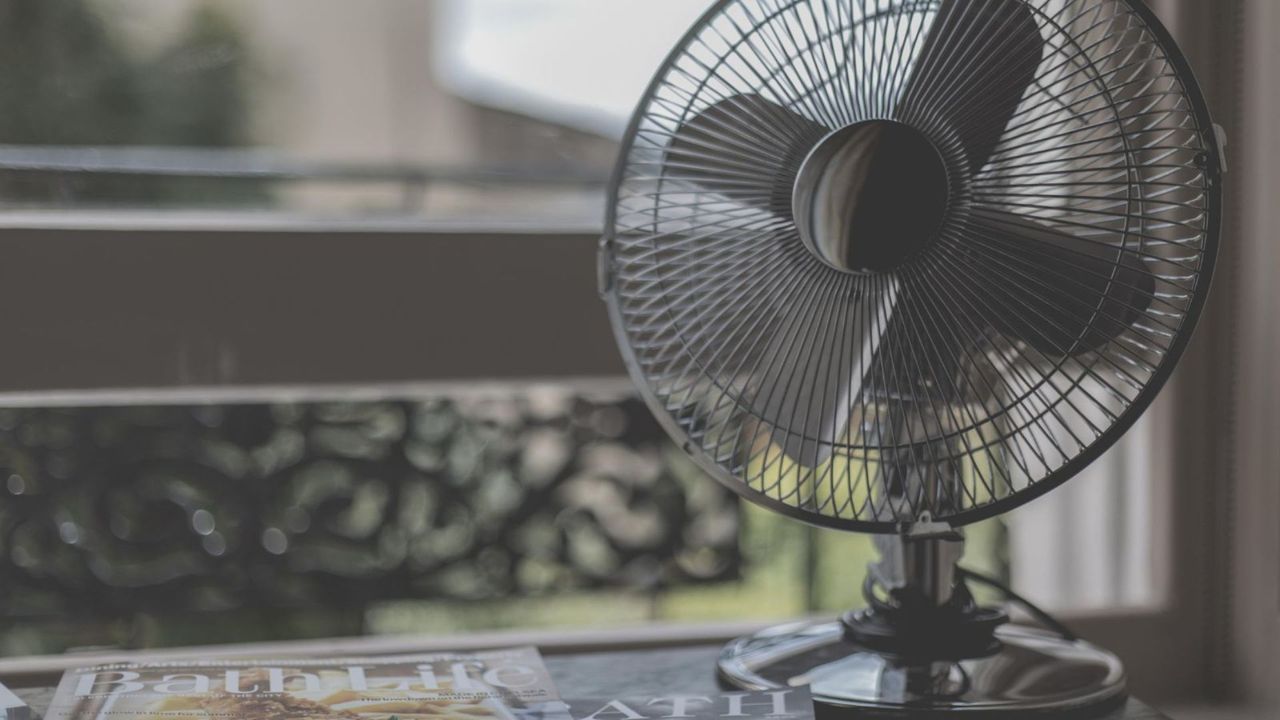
(1165, 647)
(1175, 652)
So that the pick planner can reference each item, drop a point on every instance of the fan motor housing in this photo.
(871, 196)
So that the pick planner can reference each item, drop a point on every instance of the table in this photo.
(687, 670)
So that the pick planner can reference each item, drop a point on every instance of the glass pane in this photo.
(460, 110)
(526, 507)
(468, 111)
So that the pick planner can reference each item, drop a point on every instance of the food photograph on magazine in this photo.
(13, 707)
(498, 685)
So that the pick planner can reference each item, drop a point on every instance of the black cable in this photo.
(1041, 616)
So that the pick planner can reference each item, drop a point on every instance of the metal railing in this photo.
(65, 164)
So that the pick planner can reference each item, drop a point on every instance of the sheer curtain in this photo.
(1091, 545)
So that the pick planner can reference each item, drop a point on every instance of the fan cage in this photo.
(708, 284)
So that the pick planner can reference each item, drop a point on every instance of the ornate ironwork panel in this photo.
(118, 510)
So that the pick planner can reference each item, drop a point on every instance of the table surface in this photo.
(636, 673)
(685, 671)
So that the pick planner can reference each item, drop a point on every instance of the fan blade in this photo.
(749, 148)
(746, 148)
(976, 64)
(806, 392)
(1061, 294)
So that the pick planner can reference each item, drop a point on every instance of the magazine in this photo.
(499, 685)
(13, 708)
(789, 704)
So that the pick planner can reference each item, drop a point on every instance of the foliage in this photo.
(67, 78)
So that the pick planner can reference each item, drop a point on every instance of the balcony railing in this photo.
(64, 167)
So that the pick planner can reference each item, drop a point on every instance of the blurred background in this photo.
(303, 340)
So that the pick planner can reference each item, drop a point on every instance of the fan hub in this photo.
(871, 196)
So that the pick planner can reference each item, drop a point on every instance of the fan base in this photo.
(1033, 671)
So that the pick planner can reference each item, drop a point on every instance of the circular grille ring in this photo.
(874, 261)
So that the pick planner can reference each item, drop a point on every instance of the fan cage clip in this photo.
(1220, 138)
(604, 266)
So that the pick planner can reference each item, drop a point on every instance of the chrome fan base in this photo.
(1033, 672)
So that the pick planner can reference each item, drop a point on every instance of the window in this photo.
(213, 203)
(435, 110)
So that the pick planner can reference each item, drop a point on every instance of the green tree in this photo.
(66, 79)
(199, 86)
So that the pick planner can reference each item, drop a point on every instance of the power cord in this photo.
(1041, 616)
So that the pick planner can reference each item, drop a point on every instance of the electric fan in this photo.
(898, 266)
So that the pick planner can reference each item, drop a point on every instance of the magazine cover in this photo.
(789, 704)
(499, 685)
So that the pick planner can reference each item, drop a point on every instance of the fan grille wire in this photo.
(956, 386)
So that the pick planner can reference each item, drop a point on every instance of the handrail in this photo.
(263, 164)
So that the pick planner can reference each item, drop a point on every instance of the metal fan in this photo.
(897, 266)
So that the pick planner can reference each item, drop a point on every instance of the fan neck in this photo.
(872, 196)
(927, 612)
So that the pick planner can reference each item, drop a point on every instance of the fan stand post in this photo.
(920, 563)
(917, 605)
